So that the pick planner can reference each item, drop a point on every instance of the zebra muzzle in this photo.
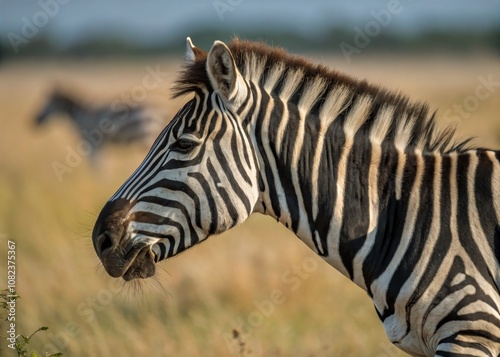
(121, 256)
(142, 267)
(137, 263)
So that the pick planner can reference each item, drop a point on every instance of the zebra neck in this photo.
(335, 212)
(359, 205)
(337, 194)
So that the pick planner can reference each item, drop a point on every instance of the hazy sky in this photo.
(150, 21)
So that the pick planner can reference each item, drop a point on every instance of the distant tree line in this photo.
(333, 40)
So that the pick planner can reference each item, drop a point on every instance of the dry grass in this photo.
(200, 297)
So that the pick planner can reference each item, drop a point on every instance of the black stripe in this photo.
(214, 217)
(387, 216)
(236, 136)
(219, 153)
(272, 194)
(252, 91)
(297, 94)
(179, 186)
(444, 239)
(152, 165)
(418, 241)
(204, 117)
(169, 204)
(304, 167)
(327, 178)
(356, 212)
(399, 226)
(276, 116)
(440, 353)
(163, 250)
(463, 222)
(158, 145)
(284, 164)
(231, 210)
(483, 192)
(481, 333)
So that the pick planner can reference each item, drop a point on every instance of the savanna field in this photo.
(257, 280)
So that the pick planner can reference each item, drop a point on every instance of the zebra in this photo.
(117, 123)
(362, 175)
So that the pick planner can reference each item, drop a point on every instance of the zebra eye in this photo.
(183, 146)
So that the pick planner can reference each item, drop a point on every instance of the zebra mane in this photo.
(257, 62)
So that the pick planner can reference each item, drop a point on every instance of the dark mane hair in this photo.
(194, 75)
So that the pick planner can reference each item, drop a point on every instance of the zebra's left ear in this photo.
(193, 53)
(223, 73)
(190, 55)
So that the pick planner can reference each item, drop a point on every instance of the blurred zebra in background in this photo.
(361, 175)
(101, 125)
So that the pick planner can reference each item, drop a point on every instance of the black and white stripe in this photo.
(361, 175)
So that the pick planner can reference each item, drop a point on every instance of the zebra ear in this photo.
(190, 55)
(222, 70)
(193, 53)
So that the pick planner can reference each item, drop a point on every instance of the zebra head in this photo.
(57, 102)
(199, 178)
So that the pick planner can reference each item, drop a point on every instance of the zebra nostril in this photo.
(106, 242)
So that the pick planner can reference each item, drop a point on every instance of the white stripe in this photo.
(291, 82)
(273, 77)
(253, 67)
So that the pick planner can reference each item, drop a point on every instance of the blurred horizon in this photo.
(98, 28)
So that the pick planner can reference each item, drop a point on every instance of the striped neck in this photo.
(334, 181)
(312, 163)
(355, 195)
